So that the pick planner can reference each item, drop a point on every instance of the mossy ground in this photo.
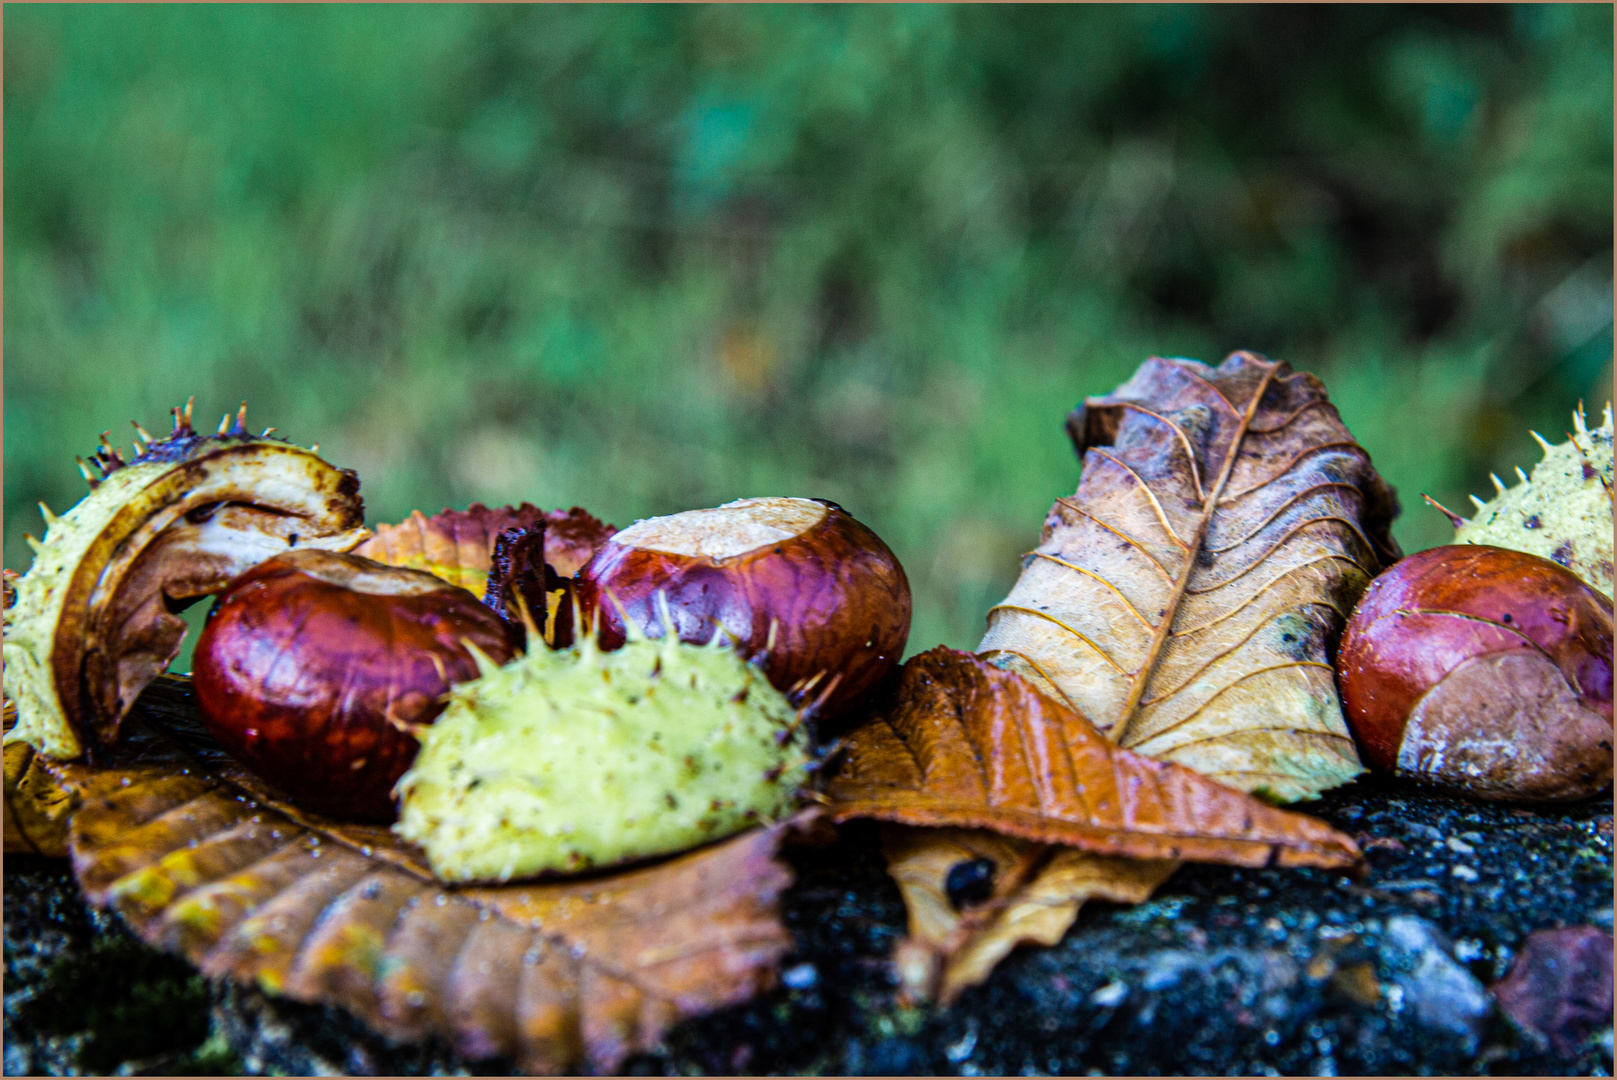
(1226, 970)
(84, 995)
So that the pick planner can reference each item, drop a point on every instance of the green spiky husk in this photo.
(571, 759)
(1562, 512)
(30, 623)
(53, 629)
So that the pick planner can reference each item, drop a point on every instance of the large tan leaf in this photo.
(457, 545)
(964, 743)
(1188, 597)
(1038, 891)
(200, 860)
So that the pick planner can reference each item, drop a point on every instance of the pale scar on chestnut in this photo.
(726, 531)
(1484, 670)
(798, 584)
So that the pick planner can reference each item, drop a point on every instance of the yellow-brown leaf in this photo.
(36, 806)
(457, 545)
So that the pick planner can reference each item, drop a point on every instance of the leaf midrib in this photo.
(1164, 627)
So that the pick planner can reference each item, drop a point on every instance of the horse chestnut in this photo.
(314, 667)
(797, 583)
(1483, 670)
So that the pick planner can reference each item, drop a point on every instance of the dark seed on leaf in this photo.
(970, 883)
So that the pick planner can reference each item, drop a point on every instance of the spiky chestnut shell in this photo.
(797, 582)
(315, 667)
(1485, 671)
(1562, 513)
(94, 622)
(568, 759)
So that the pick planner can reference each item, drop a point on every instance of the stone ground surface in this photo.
(1226, 971)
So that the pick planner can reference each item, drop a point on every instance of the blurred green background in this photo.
(644, 259)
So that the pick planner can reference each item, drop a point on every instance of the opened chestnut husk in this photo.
(1485, 671)
(800, 586)
(314, 667)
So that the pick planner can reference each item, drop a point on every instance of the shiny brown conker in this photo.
(798, 584)
(314, 666)
(1484, 671)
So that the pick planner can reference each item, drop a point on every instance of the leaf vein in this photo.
(1295, 497)
(1278, 544)
(1125, 537)
(1184, 439)
(1090, 573)
(1286, 469)
(1263, 590)
(1081, 637)
(1232, 684)
(1162, 515)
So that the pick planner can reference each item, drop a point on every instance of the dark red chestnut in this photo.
(798, 580)
(1483, 670)
(313, 667)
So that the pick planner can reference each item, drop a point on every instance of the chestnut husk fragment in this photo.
(1485, 671)
(314, 667)
(826, 612)
(520, 578)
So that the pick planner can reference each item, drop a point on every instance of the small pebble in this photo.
(1110, 995)
(800, 977)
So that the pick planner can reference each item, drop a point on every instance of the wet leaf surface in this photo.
(204, 861)
(1188, 596)
(967, 744)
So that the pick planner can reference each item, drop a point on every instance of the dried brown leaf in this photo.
(964, 743)
(555, 974)
(948, 950)
(457, 545)
(1188, 596)
(36, 806)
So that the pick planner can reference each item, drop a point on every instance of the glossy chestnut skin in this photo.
(835, 594)
(1484, 670)
(313, 665)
